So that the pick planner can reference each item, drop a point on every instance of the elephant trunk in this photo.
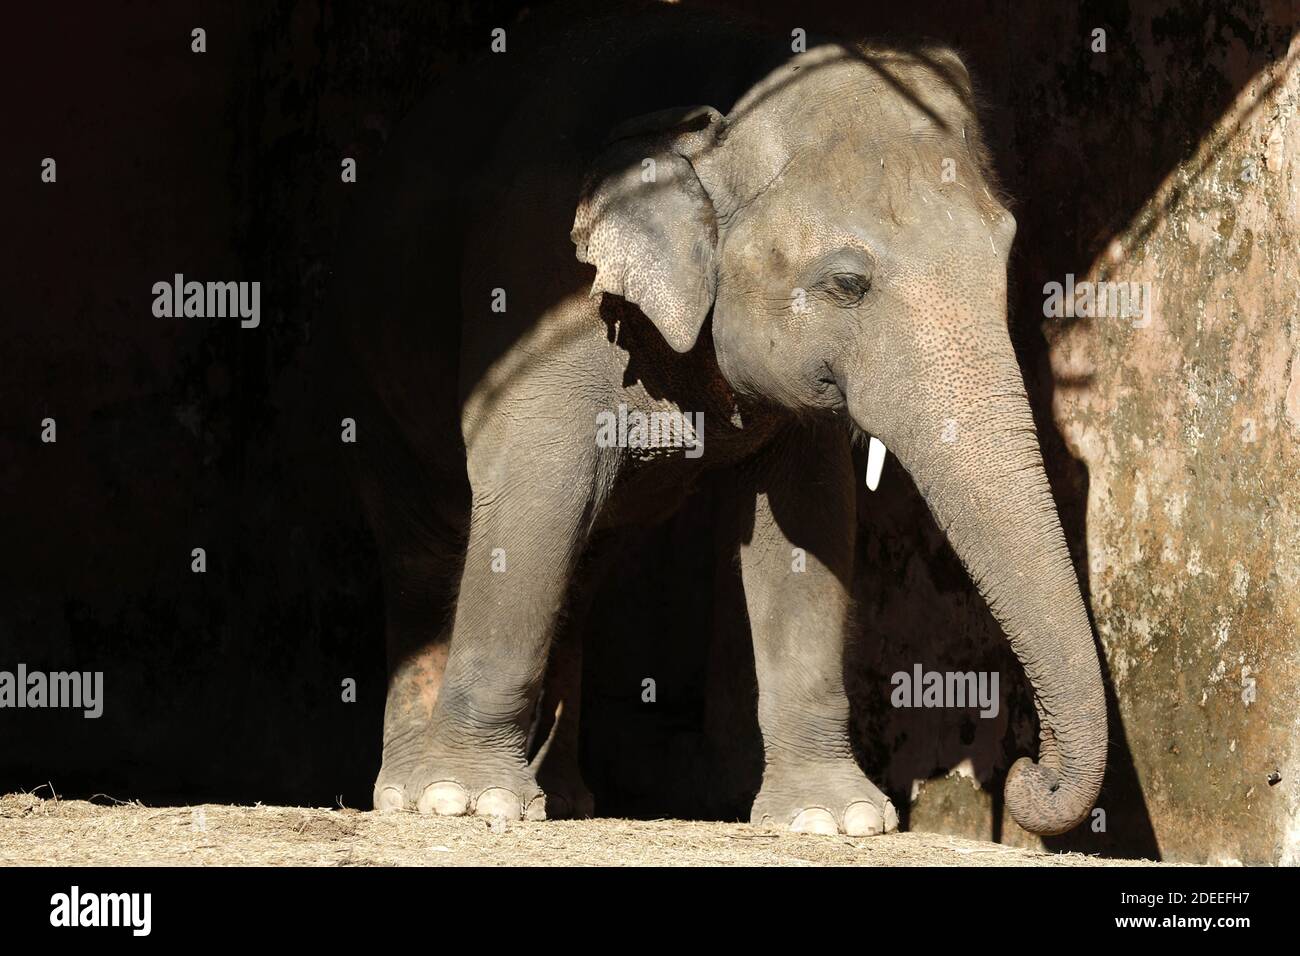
(987, 489)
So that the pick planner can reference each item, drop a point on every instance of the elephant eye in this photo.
(846, 289)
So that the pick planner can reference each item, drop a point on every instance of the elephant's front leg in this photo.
(526, 527)
(796, 564)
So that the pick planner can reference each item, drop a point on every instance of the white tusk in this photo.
(875, 462)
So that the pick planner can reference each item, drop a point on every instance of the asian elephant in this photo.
(662, 212)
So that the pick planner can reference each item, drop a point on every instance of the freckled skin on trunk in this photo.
(989, 493)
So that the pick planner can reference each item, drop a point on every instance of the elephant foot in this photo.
(442, 791)
(416, 775)
(824, 797)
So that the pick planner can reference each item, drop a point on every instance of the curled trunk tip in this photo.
(1042, 801)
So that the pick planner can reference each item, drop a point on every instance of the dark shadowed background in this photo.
(1167, 158)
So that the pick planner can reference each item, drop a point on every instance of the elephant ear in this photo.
(647, 224)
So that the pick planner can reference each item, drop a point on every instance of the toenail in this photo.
(497, 802)
(863, 819)
(547, 808)
(446, 798)
(389, 799)
(815, 820)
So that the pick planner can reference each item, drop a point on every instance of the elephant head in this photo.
(841, 226)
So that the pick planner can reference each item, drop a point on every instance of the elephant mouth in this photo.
(830, 389)
(829, 386)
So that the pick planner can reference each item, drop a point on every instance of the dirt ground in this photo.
(39, 832)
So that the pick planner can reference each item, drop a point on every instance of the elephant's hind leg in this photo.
(420, 542)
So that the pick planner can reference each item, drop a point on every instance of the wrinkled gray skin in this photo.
(819, 172)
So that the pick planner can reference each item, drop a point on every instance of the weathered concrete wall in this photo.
(1189, 427)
